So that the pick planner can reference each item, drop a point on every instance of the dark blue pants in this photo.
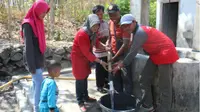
(101, 74)
(81, 90)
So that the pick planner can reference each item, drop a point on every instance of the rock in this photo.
(1, 64)
(20, 46)
(5, 62)
(10, 68)
(3, 69)
(5, 52)
(5, 76)
(19, 64)
(66, 64)
(57, 58)
(48, 52)
(16, 57)
(16, 50)
(68, 48)
(60, 51)
(67, 56)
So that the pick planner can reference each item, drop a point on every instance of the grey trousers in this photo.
(165, 86)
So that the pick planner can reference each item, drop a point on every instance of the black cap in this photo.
(113, 8)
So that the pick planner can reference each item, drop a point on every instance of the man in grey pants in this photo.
(162, 54)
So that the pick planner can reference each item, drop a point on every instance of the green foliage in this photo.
(106, 17)
(124, 6)
(152, 13)
(81, 15)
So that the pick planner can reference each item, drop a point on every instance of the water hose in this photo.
(30, 77)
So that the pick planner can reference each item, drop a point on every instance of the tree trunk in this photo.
(19, 5)
(24, 10)
(145, 12)
(48, 26)
(9, 20)
(196, 38)
(59, 9)
(52, 18)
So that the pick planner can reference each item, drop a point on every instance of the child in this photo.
(49, 92)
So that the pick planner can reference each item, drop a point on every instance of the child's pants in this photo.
(44, 107)
(37, 81)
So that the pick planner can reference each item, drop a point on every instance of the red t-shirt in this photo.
(119, 35)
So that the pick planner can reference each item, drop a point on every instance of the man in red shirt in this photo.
(119, 44)
(162, 54)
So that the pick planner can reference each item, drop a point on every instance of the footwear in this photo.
(82, 107)
(101, 90)
(90, 100)
(143, 109)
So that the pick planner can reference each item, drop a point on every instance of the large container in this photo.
(122, 103)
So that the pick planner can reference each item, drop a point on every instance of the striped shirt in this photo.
(103, 32)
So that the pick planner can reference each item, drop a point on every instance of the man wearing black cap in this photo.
(119, 44)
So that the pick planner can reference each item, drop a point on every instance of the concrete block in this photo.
(185, 82)
(186, 85)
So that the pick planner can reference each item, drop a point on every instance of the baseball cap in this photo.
(112, 8)
(127, 19)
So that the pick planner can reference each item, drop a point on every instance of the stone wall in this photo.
(11, 57)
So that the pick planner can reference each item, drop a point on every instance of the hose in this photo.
(30, 77)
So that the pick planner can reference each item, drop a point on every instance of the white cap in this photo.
(127, 19)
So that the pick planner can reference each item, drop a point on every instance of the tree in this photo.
(152, 13)
(9, 19)
(124, 6)
(52, 18)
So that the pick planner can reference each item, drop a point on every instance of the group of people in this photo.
(122, 36)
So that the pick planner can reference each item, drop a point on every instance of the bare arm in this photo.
(123, 48)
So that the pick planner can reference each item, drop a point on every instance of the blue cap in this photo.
(127, 19)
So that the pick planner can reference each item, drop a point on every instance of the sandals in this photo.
(82, 107)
